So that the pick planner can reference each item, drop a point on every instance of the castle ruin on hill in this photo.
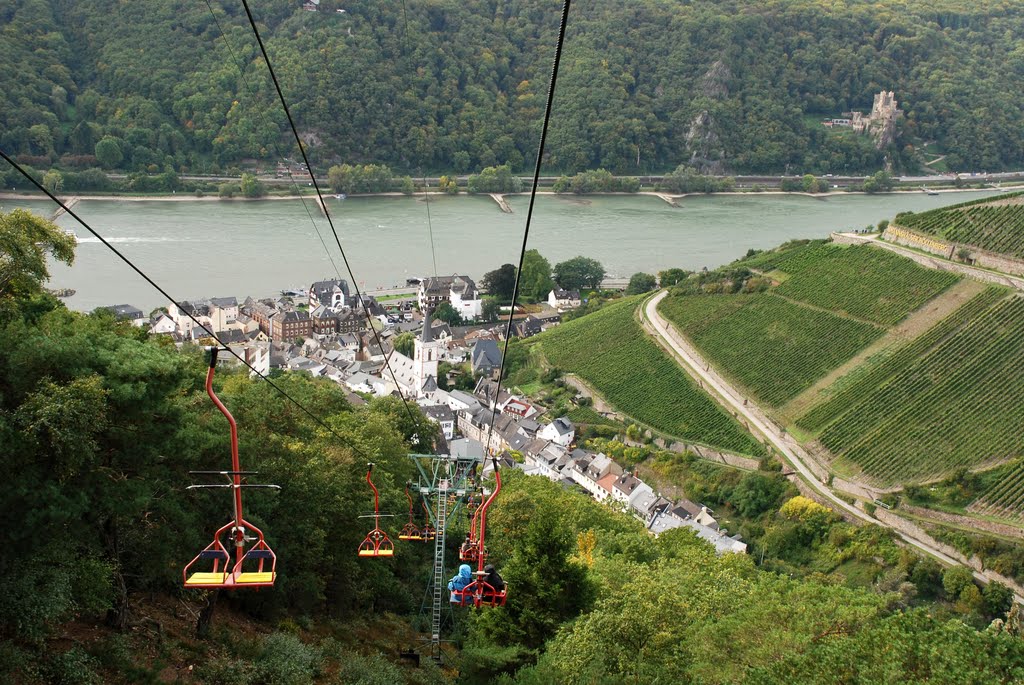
(880, 124)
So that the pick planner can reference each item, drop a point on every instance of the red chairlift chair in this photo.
(410, 531)
(218, 575)
(428, 531)
(470, 549)
(376, 543)
(480, 593)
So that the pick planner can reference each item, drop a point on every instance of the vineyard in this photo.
(955, 406)
(610, 351)
(861, 281)
(834, 301)
(993, 225)
(773, 347)
(1006, 498)
(870, 376)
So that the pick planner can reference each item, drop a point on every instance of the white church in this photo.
(416, 378)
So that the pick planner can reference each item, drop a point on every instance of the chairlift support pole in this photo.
(441, 477)
(236, 477)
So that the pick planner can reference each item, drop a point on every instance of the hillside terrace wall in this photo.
(705, 452)
(915, 531)
(985, 259)
(855, 489)
(964, 521)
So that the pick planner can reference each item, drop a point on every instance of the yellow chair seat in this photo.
(207, 579)
(265, 577)
(376, 553)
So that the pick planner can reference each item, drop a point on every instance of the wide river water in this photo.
(216, 249)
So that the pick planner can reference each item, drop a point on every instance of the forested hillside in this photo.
(445, 85)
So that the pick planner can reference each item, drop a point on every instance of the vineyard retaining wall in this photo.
(985, 259)
(711, 455)
(855, 489)
(915, 531)
(965, 521)
(903, 236)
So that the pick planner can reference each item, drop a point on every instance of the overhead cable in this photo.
(323, 205)
(529, 212)
(163, 292)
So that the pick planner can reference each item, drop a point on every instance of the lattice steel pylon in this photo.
(445, 482)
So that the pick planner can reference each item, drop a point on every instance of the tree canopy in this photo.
(500, 282)
(535, 281)
(26, 241)
(579, 273)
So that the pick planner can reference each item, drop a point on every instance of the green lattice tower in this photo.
(445, 482)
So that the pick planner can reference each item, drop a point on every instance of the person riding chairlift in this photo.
(467, 546)
(457, 584)
(494, 579)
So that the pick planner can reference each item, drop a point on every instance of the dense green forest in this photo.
(100, 423)
(455, 86)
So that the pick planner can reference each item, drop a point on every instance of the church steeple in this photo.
(426, 353)
(428, 330)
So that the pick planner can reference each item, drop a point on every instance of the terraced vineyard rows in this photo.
(1005, 499)
(861, 281)
(610, 351)
(871, 377)
(956, 406)
(993, 227)
(773, 347)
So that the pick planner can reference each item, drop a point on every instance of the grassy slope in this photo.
(833, 302)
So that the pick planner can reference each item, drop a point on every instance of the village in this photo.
(325, 331)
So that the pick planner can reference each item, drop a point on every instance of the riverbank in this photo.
(182, 197)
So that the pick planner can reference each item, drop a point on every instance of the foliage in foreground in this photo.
(667, 609)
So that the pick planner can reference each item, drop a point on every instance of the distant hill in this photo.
(723, 85)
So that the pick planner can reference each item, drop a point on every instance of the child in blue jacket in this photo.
(463, 578)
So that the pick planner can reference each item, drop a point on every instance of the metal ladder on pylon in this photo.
(440, 587)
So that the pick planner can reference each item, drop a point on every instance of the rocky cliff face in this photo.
(703, 145)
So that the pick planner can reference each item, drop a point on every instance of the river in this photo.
(216, 249)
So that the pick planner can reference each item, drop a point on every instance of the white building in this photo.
(163, 324)
(417, 377)
(460, 291)
(560, 431)
(332, 294)
(564, 299)
(444, 417)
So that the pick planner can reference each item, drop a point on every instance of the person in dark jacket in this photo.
(463, 578)
(493, 578)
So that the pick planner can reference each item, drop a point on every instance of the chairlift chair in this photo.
(470, 549)
(410, 531)
(428, 532)
(480, 593)
(376, 543)
(215, 556)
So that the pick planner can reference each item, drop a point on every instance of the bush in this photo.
(73, 667)
(498, 179)
(955, 580)
(286, 660)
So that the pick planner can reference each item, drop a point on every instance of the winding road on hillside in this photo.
(757, 420)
